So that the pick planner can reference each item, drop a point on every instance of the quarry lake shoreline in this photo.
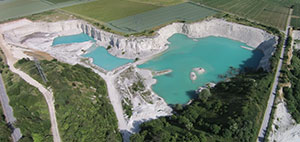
(40, 35)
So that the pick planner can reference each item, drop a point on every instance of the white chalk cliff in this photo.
(132, 47)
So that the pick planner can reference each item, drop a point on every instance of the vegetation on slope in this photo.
(292, 94)
(291, 74)
(84, 112)
(231, 111)
(29, 105)
(5, 132)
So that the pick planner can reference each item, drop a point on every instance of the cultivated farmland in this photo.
(18, 8)
(296, 10)
(267, 12)
(58, 1)
(287, 3)
(160, 2)
(108, 10)
(186, 12)
(296, 16)
(295, 22)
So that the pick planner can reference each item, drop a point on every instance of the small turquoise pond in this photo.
(100, 55)
(215, 54)
(72, 39)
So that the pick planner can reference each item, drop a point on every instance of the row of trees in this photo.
(4, 129)
(292, 95)
(290, 73)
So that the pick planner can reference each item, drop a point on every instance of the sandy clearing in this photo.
(39, 55)
(287, 129)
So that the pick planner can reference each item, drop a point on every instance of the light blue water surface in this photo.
(215, 54)
(102, 58)
(100, 55)
(72, 39)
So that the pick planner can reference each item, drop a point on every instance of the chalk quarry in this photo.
(26, 35)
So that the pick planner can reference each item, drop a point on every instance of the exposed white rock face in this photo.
(141, 47)
(210, 85)
(296, 36)
(200, 89)
(199, 70)
(133, 47)
(146, 105)
(284, 128)
(193, 76)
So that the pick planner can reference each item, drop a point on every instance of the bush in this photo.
(204, 95)
(215, 128)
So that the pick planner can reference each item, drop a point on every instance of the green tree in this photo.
(204, 95)
(215, 128)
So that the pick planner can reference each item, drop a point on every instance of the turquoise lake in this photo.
(101, 57)
(215, 54)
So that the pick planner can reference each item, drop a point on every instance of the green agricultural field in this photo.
(10, 9)
(108, 10)
(296, 10)
(58, 1)
(295, 22)
(186, 12)
(287, 3)
(160, 2)
(267, 12)
(50, 16)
